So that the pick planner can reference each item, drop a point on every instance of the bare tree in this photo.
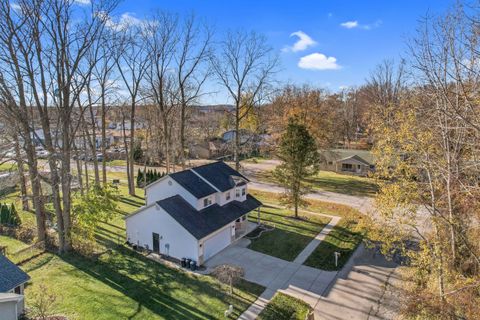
(133, 61)
(192, 69)
(162, 42)
(228, 274)
(245, 66)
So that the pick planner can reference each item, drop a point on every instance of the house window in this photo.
(237, 193)
(330, 163)
(244, 218)
(207, 202)
(18, 290)
(347, 167)
(227, 196)
(243, 191)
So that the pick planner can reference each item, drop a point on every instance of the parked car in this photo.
(42, 154)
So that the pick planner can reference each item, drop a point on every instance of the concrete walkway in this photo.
(294, 279)
(302, 256)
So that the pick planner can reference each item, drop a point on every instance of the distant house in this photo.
(194, 213)
(348, 161)
(12, 281)
(207, 149)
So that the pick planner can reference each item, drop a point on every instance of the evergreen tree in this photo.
(14, 217)
(300, 159)
(139, 178)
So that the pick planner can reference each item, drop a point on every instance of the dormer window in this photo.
(243, 191)
(207, 202)
(237, 193)
(227, 196)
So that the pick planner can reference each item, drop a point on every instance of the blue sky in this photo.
(343, 39)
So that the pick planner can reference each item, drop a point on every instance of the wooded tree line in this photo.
(66, 66)
(426, 127)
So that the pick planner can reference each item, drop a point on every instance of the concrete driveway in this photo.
(275, 274)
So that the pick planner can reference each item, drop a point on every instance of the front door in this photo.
(156, 242)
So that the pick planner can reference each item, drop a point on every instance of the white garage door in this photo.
(216, 243)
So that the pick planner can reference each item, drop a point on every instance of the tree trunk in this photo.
(21, 173)
(237, 137)
(79, 169)
(130, 171)
(104, 141)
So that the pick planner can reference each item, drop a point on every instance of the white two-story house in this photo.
(193, 213)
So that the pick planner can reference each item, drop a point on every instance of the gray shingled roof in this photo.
(193, 183)
(11, 276)
(356, 158)
(219, 174)
(204, 222)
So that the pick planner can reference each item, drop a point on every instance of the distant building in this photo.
(348, 161)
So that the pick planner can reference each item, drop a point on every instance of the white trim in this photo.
(139, 210)
(156, 181)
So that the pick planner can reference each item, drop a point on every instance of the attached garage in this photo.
(217, 242)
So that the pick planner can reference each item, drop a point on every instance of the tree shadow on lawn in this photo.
(340, 240)
(282, 244)
(311, 226)
(131, 202)
(346, 186)
(155, 286)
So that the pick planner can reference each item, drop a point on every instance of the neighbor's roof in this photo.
(202, 223)
(338, 154)
(219, 174)
(193, 183)
(355, 158)
(11, 276)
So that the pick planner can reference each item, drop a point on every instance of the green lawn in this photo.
(285, 307)
(344, 238)
(122, 284)
(125, 285)
(335, 182)
(290, 235)
(13, 245)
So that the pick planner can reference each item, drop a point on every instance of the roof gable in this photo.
(355, 158)
(219, 174)
(11, 275)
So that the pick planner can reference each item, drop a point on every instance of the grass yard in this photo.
(285, 307)
(335, 182)
(123, 284)
(13, 245)
(290, 235)
(344, 238)
(313, 205)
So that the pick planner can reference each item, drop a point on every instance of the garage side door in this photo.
(216, 243)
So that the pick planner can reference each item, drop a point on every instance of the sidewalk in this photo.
(297, 280)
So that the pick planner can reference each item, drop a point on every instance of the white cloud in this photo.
(354, 24)
(16, 7)
(123, 22)
(304, 41)
(318, 61)
(83, 2)
(349, 24)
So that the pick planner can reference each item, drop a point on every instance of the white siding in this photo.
(200, 203)
(154, 219)
(167, 188)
